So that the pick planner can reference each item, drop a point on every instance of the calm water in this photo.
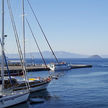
(76, 88)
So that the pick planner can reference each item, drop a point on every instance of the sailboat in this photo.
(9, 98)
(58, 66)
(38, 83)
(35, 84)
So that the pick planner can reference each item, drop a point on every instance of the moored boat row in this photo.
(13, 91)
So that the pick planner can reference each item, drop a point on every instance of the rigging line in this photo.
(7, 68)
(6, 64)
(15, 32)
(42, 31)
(36, 43)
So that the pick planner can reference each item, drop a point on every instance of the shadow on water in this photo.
(22, 105)
(44, 94)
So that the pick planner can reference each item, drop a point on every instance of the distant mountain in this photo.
(63, 54)
(104, 56)
(48, 54)
(59, 54)
(96, 57)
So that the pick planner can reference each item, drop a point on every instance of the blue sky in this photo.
(79, 26)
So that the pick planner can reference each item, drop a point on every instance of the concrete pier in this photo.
(17, 70)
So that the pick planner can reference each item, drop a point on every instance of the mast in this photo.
(2, 47)
(23, 21)
(24, 64)
(23, 25)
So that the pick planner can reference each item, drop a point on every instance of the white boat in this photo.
(59, 66)
(9, 98)
(13, 99)
(36, 84)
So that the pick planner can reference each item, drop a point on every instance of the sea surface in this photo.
(76, 88)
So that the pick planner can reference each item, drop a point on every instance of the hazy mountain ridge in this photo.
(48, 54)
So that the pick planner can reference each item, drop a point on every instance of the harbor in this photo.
(81, 84)
(53, 54)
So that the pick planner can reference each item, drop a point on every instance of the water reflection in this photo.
(44, 94)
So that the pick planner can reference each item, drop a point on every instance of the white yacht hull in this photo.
(59, 67)
(14, 99)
